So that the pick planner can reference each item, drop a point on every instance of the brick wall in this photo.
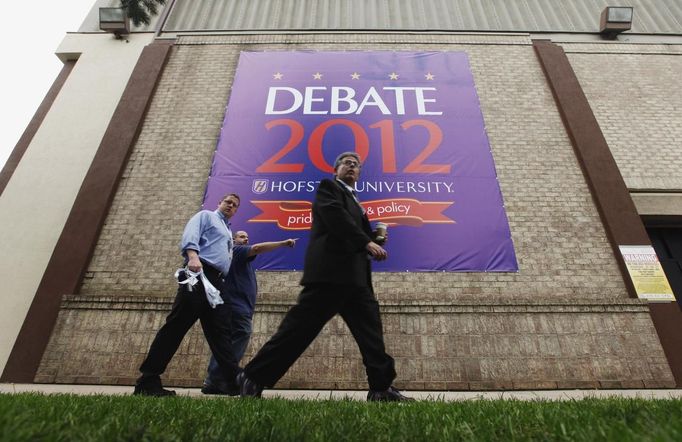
(503, 344)
(446, 330)
(558, 238)
(634, 93)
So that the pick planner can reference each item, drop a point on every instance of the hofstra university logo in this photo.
(260, 186)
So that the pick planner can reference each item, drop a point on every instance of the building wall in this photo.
(634, 93)
(659, 17)
(548, 206)
(564, 320)
(38, 198)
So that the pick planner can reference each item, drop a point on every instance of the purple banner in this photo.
(414, 119)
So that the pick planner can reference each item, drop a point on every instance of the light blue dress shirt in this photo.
(208, 232)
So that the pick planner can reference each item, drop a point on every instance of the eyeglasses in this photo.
(350, 163)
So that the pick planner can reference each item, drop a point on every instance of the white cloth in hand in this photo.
(212, 293)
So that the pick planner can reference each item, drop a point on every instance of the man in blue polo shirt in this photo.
(240, 292)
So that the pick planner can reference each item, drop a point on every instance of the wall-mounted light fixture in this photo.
(114, 20)
(614, 20)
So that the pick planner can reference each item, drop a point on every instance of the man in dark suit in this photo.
(337, 278)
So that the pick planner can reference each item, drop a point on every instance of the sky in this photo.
(29, 64)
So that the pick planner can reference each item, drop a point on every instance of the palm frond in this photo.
(140, 11)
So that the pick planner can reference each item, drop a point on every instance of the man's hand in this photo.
(378, 241)
(291, 242)
(376, 251)
(193, 262)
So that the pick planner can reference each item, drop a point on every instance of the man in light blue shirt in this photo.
(208, 234)
(207, 247)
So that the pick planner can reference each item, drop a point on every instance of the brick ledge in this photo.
(488, 305)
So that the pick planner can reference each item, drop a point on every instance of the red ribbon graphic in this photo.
(296, 215)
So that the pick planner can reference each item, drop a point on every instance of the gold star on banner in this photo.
(277, 76)
(393, 76)
(429, 76)
(355, 76)
(317, 76)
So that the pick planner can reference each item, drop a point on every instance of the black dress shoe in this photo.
(212, 389)
(151, 389)
(230, 390)
(390, 395)
(248, 388)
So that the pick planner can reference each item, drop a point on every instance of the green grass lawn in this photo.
(66, 417)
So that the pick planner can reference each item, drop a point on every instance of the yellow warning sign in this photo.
(647, 274)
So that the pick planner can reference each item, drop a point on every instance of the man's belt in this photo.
(211, 272)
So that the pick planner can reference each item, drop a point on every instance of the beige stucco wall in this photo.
(39, 196)
(563, 321)
(659, 204)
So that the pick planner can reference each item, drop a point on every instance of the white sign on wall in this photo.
(647, 274)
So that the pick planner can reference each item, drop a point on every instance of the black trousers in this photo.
(316, 305)
(187, 308)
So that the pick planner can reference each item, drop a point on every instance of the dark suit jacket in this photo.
(336, 253)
